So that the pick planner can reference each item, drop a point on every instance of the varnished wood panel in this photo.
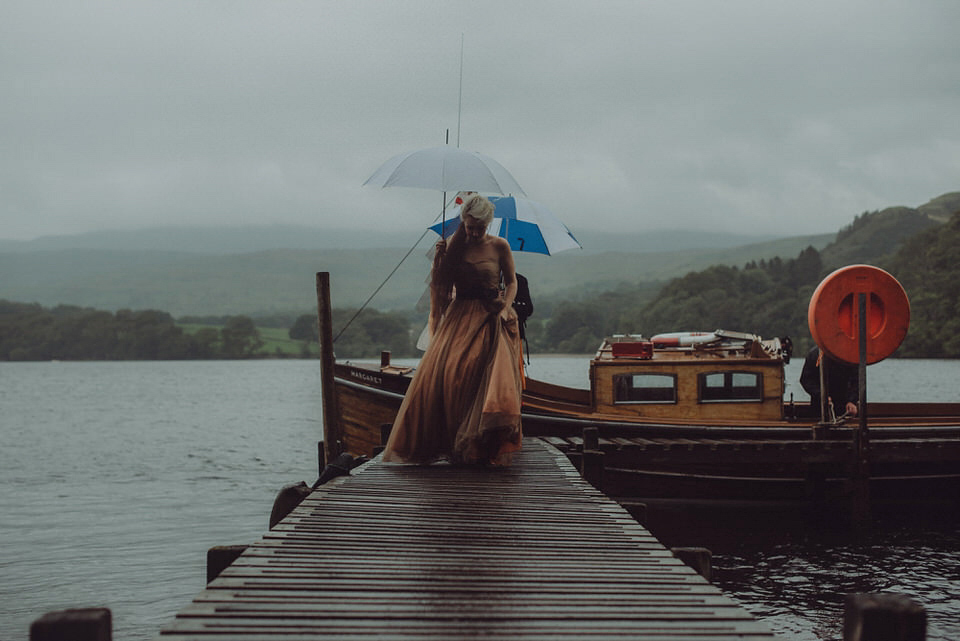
(687, 406)
(361, 415)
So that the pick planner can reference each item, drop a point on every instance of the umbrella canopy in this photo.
(527, 225)
(445, 169)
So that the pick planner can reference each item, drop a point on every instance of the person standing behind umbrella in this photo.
(463, 403)
(843, 383)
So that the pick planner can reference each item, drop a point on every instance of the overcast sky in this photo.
(745, 115)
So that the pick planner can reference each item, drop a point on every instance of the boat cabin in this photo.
(714, 376)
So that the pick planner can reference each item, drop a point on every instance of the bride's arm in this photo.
(509, 273)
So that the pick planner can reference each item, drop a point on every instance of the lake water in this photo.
(118, 477)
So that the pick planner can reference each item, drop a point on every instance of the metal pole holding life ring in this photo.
(858, 315)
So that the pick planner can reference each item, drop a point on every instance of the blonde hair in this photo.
(446, 264)
(477, 207)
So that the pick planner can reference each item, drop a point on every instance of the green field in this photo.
(276, 342)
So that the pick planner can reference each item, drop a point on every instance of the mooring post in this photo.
(591, 438)
(331, 424)
(385, 429)
(698, 559)
(220, 557)
(883, 617)
(592, 468)
(82, 624)
(591, 462)
(636, 509)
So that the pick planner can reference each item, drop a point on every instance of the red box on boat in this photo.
(633, 349)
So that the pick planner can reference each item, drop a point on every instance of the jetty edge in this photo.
(528, 551)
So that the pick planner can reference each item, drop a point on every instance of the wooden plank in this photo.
(438, 552)
(373, 596)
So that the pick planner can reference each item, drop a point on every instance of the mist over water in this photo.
(118, 477)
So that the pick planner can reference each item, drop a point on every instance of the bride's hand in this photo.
(497, 306)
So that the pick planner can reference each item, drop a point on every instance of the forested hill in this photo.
(928, 267)
(770, 297)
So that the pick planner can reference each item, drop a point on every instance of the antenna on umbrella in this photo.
(443, 208)
(460, 100)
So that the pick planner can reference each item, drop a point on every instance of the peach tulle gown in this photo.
(463, 403)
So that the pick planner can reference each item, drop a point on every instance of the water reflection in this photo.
(794, 568)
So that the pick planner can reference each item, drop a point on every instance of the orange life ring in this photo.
(833, 314)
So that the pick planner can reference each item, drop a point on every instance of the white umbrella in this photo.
(445, 169)
(527, 225)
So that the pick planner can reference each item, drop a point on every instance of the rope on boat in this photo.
(377, 290)
(394, 271)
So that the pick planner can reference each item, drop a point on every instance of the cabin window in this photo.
(645, 388)
(719, 387)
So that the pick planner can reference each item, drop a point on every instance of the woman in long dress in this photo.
(463, 403)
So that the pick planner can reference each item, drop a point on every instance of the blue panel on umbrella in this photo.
(523, 236)
(528, 226)
(504, 207)
(448, 228)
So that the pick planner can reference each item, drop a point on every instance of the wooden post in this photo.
(321, 458)
(331, 422)
(637, 509)
(815, 482)
(825, 418)
(220, 557)
(861, 467)
(591, 438)
(385, 429)
(84, 624)
(592, 468)
(699, 559)
(883, 617)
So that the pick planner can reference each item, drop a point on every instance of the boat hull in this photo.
(913, 447)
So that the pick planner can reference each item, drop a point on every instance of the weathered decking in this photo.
(399, 552)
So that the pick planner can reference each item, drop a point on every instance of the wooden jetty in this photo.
(529, 551)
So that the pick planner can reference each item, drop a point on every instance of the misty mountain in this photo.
(283, 280)
(242, 271)
(256, 238)
(209, 240)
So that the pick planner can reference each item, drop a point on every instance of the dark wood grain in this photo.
(527, 552)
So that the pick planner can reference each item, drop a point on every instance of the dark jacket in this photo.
(843, 380)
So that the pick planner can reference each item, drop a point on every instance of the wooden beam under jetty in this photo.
(529, 551)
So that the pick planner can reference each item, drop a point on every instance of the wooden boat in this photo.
(681, 416)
